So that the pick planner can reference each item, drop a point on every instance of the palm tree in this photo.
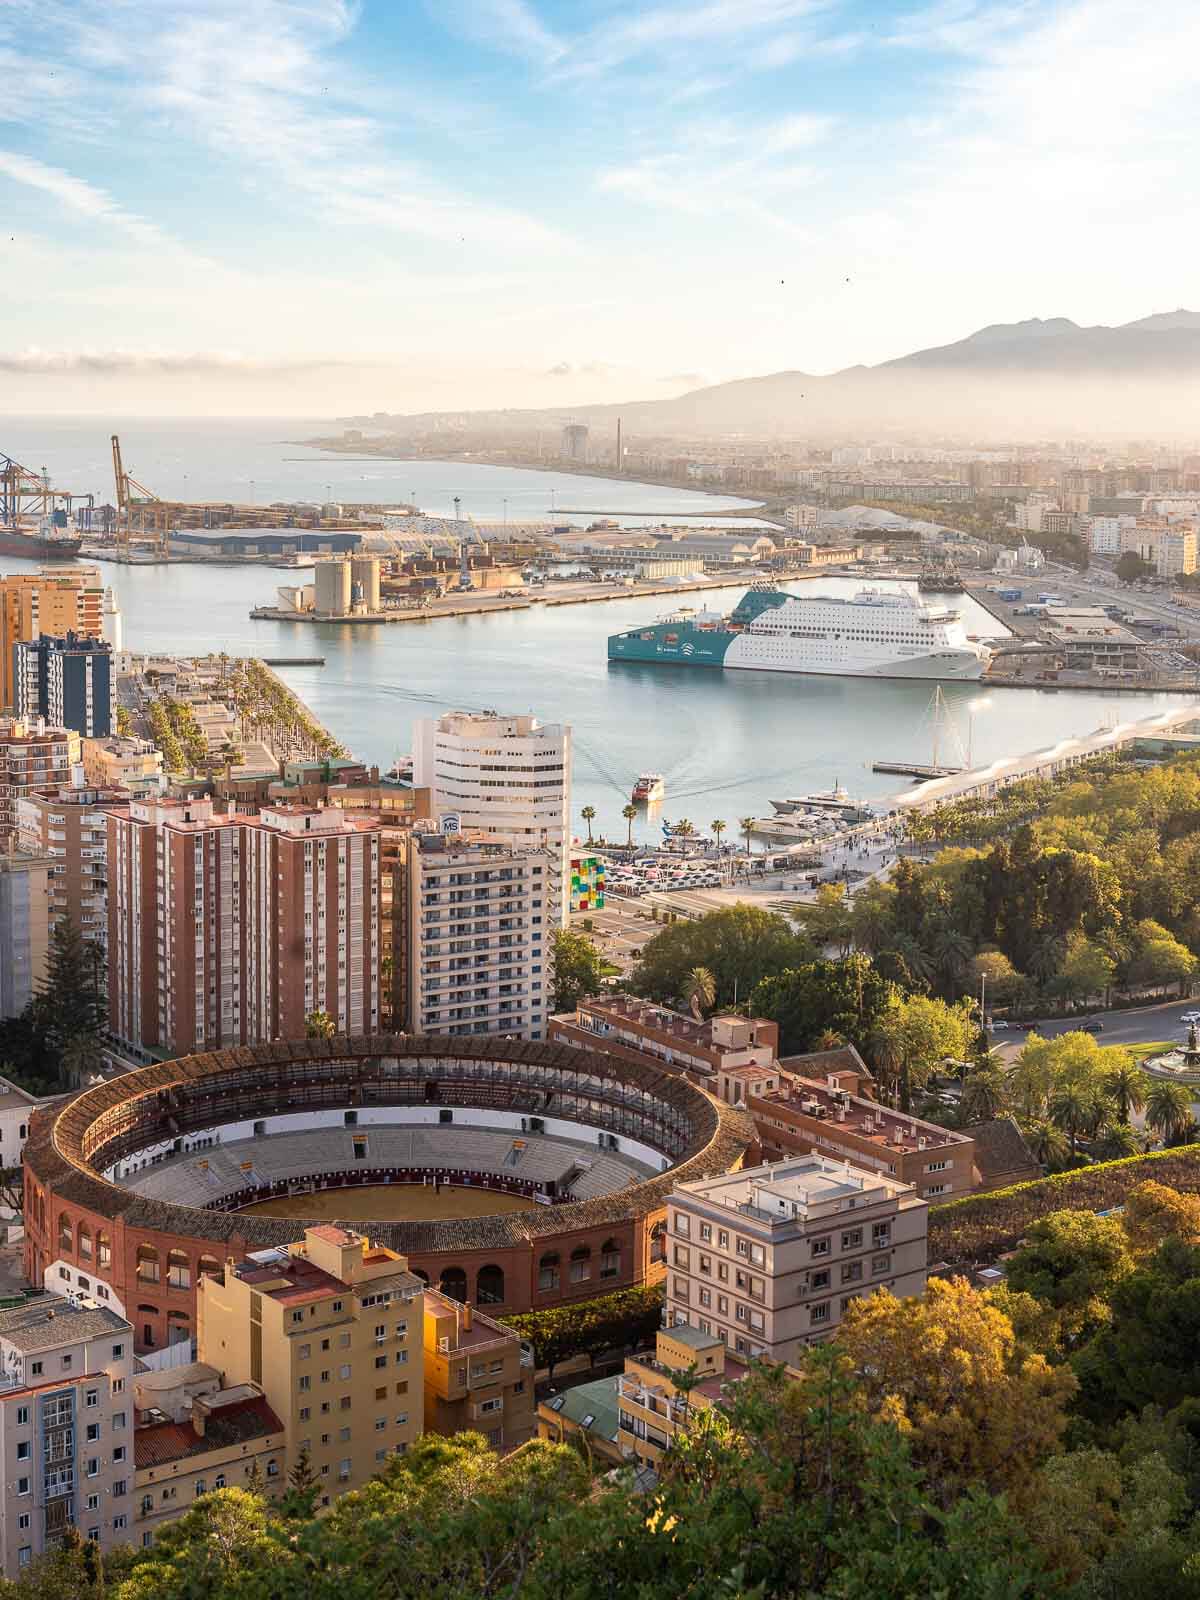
(718, 828)
(746, 824)
(630, 815)
(830, 1039)
(1127, 1085)
(984, 1094)
(1047, 1144)
(700, 991)
(883, 1050)
(1168, 1109)
(683, 828)
(319, 1025)
(1118, 1141)
(589, 814)
(1076, 1109)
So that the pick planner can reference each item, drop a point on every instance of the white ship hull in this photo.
(944, 664)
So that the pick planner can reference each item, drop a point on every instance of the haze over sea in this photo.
(727, 742)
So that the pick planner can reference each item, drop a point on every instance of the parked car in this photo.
(1091, 1027)
(1190, 1016)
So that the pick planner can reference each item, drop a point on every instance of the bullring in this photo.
(130, 1193)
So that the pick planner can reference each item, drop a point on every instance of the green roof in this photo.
(592, 1406)
(696, 1337)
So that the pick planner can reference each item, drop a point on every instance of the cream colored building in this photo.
(478, 1375)
(768, 1259)
(116, 763)
(24, 927)
(653, 1409)
(224, 1435)
(330, 1329)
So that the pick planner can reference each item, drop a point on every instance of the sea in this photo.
(726, 742)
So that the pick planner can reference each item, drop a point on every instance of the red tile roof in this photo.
(241, 1423)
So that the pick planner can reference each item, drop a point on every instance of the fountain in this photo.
(1182, 1063)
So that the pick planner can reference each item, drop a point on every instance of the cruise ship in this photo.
(873, 635)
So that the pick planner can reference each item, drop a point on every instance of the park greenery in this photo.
(1036, 1441)
(269, 712)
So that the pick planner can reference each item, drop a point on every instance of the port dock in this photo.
(292, 661)
(915, 769)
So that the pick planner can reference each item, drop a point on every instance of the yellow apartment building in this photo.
(478, 1375)
(652, 1406)
(331, 1330)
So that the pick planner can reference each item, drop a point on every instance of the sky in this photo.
(317, 207)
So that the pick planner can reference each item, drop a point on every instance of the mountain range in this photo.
(1021, 379)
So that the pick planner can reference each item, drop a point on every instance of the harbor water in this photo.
(726, 742)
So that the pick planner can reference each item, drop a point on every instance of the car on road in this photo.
(1091, 1027)
(1190, 1016)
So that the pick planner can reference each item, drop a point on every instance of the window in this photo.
(92, 1503)
(581, 1264)
(201, 1487)
(24, 1450)
(344, 1372)
(487, 1406)
(66, 1234)
(706, 1233)
(936, 1166)
(67, 1362)
(219, 1481)
(119, 1454)
(93, 1466)
(22, 1416)
(120, 1487)
(118, 1420)
(305, 1413)
(147, 1264)
(85, 1242)
(852, 1271)
(304, 1352)
(380, 1424)
(103, 1251)
(819, 1312)
(489, 1288)
(24, 1520)
(548, 1272)
(880, 1264)
(683, 1225)
(118, 1352)
(381, 1361)
(92, 1399)
(936, 1188)
(93, 1432)
(881, 1235)
(682, 1256)
(22, 1485)
(24, 1555)
(610, 1259)
(820, 1247)
(305, 1382)
(35, 1368)
(852, 1239)
(179, 1270)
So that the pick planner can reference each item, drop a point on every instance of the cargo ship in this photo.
(649, 789)
(39, 546)
(873, 635)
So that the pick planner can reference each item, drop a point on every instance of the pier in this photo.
(292, 661)
(914, 769)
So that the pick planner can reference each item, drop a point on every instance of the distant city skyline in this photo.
(314, 206)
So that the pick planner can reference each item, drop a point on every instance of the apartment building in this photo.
(32, 756)
(639, 1030)
(478, 1374)
(652, 1407)
(70, 826)
(796, 1115)
(480, 930)
(507, 777)
(24, 928)
(231, 929)
(56, 601)
(1170, 547)
(768, 1259)
(66, 1427)
(330, 1329)
(217, 1443)
(135, 765)
(589, 1415)
(68, 680)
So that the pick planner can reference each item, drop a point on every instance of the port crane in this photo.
(24, 493)
(125, 500)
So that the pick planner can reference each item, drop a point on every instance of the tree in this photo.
(123, 722)
(1127, 1086)
(924, 1032)
(746, 824)
(630, 814)
(1078, 1108)
(1087, 969)
(1130, 567)
(847, 997)
(589, 816)
(994, 974)
(828, 920)
(1072, 1261)
(1048, 1145)
(947, 1370)
(1168, 1109)
(984, 1094)
(1164, 961)
(718, 828)
(700, 991)
(223, 1539)
(578, 969)
(740, 945)
(71, 1001)
(625, 1320)
(1153, 1213)
(319, 1025)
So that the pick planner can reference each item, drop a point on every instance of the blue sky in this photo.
(306, 205)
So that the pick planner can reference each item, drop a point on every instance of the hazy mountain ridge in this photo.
(1040, 374)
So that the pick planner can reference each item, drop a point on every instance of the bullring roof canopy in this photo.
(71, 1146)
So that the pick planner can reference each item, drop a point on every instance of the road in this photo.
(1142, 1026)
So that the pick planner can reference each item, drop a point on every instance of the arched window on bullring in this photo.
(179, 1270)
(84, 1238)
(610, 1259)
(581, 1263)
(454, 1283)
(103, 1251)
(66, 1240)
(548, 1271)
(147, 1264)
(208, 1267)
(489, 1285)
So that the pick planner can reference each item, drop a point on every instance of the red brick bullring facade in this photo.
(148, 1255)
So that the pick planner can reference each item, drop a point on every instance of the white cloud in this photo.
(78, 196)
(511, 26)
(658, 29)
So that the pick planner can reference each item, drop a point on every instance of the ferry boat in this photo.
(649, 788)
(872, 635)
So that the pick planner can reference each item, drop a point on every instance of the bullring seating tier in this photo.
(202, 1177)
